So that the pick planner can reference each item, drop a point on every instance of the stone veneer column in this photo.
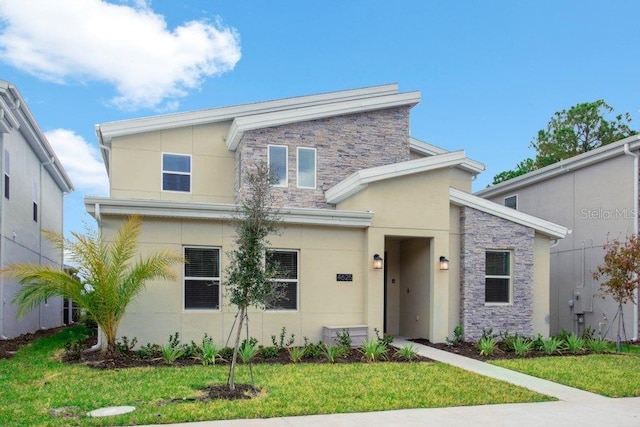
(480, 232)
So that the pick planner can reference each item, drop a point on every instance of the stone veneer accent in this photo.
(480, 232)
(344, 145)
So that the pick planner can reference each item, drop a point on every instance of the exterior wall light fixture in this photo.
(444, 263)
(377, 262)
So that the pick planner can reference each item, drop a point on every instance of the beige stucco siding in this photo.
(541, 290)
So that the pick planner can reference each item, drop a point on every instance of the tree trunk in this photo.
(232, 371)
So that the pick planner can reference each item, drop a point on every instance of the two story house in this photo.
(33, 186)
(379, 230)
(594, 194)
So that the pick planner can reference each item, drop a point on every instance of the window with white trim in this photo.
(176, 172)
(201, 278)
(35, 201)
(7, 181)
(286, 264)
(277, 159)
(511, 202)
(306, 165)
(497, 277)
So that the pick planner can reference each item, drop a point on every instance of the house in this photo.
(33, 186)
(594, 194)
(379, 229)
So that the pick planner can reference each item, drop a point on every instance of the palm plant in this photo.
(107, 277)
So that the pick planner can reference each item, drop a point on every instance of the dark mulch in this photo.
(9, 347)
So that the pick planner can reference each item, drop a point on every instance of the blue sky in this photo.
(491, 73)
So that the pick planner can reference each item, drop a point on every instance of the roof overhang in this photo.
(358, 181)
(99, 206)
(562, 167)
(424, 148)
(550, 229)
(14, 114)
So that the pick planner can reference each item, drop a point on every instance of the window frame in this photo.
(513, 196)
(286, 163)
(35, 201)
(201, 278)
(496, 276)
(315, 167)
(189, 174)
(7, 175)
(282, 280)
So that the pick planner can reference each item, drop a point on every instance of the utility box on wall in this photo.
(358, 333)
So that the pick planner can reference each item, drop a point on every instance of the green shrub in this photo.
(281, 344)
(124, 346)
(170, 354)
(208, 353)
(344, 339)
(269, 352)
(457, 336)
(311, 350)
(486, 345)
(598, 345)
(575, 344)
(374, 350)
(552, 345)
(148, 351)
(248, 350)
(521, 346)
(407, 352)
(226, 353)
(333, 352)
(73, 349)
(296, 353)
(385, 339)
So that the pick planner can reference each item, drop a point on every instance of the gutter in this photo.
(42, 166)
(635, 228)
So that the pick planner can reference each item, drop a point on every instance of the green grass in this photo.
(614, 375)
(33, 382)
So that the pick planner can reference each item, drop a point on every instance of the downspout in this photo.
(42, 166)
(635, 229)
(2, 301)
(98, 345)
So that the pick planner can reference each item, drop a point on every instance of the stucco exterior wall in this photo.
(344, 145)
(482, 232)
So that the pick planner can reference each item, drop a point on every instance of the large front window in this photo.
(278, 165)
(286, 264)
(306, 167)
(176, 172)
(202, 278)
(497, 277)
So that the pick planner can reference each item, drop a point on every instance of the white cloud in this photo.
(129, 47)
(81, 160)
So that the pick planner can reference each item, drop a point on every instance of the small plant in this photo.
(208, 353)
(575, 344)
(333, 352)
(564, 335)
(507, 340)
(226, 353)
(407, 352)
(552, 345)
(148, 351)
(296, 353)
(124, 346)
(588, 333)
(344, 339)
(248, 350)
(73, 350)
(269, 352)
(170, 354)
(457, 337)
(598, 345)
(311, 350)
(488, 333)
(281, 344)
(486, 345)
(521, 346)
(374, 350)
(384, 339)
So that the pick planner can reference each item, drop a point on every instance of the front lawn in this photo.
(613, 375)
(33, 383)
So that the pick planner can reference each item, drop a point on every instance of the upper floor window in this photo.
(35, 201)
(278, 155)
(306, 167)
(511, 202)
(497, 277)
(176, 172)
(286, 263)
(202, 278)
(7, 181)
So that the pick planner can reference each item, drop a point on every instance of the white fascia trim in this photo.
(261, 121)
(357, 181)
(222, 211)
(568, 165)
(424, 148)
(460, 198)
(107, 131)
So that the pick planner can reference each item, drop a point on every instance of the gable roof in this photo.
(460, 198)
(573, 163)
(359, 180)
(14, 114)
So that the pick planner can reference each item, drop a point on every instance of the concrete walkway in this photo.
(575, 407)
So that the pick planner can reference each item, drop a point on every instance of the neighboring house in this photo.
(33, 185)
(595, 195)
(368, 215)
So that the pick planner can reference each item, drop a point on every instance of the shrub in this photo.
(148, 351)
(248, 349)
(597, 345)
(374, 350)
(170, 354)
(269, 352)
(208, 353)
(385, 339)
(521, 346)
(333, 352)
(507, 340)
(344, 339)
(407, 352)
(296, 353)
(281, 344)
(457, 336)
(486, 345)
(226, 353)
(311, 350)
(575, 344)
(552, 345)
(124, 346)
(73, 349)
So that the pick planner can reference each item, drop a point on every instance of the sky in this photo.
(491, 73)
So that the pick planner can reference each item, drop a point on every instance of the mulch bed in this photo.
(9, 347)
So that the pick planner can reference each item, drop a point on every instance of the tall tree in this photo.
(107, 277)
(249, 279)
(579, 129)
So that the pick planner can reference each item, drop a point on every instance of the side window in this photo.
(35, 201)
(497, 277)
(7, 171)
(201, 278)
(306, 167)
(511, 202)
(286, 263)
(278, 155)
(176, 172)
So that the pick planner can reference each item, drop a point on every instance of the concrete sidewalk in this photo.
(574, 406)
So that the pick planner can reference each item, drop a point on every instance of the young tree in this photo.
(622, 268)
(249, 280)
(107, 277)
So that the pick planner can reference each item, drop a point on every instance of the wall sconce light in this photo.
(377, 262)
(444, 263)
